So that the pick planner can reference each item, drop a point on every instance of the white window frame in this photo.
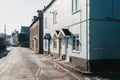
(55, 17)
(76, 45)
(75, 6)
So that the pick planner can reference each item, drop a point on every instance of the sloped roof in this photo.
(47, 36)
(49, 5)
(66, 32)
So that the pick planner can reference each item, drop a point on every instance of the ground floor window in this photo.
(76, 42)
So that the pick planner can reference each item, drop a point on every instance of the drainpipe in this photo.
(49, 47)
(87, 48)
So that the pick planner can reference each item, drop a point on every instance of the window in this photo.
(75, 5)
(76, 42)
(54, 43)
(45, 43)
(37, 29)
(54, 17)
(46, 22)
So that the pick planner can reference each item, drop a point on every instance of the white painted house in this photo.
(84, 32)
(14, 38)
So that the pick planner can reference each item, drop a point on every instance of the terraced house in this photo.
(36, 33)
(84, 32)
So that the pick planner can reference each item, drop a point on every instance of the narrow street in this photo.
(24, 64)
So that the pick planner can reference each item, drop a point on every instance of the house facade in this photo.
(62, 23)
(36, 33)
(103, 29)
(23, 37)
(84, 32)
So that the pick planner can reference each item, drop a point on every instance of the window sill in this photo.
(75, 12)
(54, 22)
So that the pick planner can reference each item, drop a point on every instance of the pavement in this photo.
(69, 68)
(84, 75)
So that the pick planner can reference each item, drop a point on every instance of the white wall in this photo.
(66, 19)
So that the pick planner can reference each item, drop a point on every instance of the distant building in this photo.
(2, 43)
(36, 33)
(23, 37)
(6, 38)
(25, 29)
(14, 38)
(2, 35)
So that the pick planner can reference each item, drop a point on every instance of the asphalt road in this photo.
(24, 64)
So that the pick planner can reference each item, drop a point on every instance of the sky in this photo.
(17, 13)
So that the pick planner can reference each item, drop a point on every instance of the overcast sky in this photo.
(17, 13)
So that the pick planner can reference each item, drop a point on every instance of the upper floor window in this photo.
(46, 22)
(75, 5)
(54, 17)
(37, 30)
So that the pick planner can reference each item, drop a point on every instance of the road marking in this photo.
(38, 71)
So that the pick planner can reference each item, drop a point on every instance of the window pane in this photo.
(78, 5)
(73, 6)
(77, 45)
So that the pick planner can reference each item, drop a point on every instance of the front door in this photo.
(60, 47)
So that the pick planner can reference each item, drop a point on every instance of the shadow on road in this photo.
(4, 53)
